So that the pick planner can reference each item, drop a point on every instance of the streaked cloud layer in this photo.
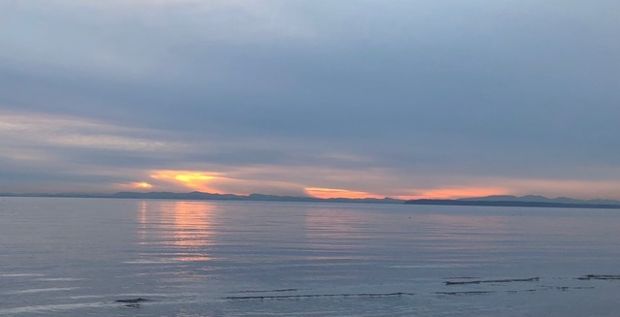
(398, 98)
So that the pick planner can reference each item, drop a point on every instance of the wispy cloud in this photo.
(28, 130)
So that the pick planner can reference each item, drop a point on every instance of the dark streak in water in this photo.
(602, 277)
(532, 279)
(464, 293)
(567, 288)
(318, 296)
(132, 300)
(523, 291)
(271, 291)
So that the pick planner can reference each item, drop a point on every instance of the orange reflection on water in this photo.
(192, 230)
(183, 229)
(142, 219)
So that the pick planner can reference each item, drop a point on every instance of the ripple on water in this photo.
(40, 290)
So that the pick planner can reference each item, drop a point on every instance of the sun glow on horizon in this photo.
(195, 180)
(326, 193)
(141, 185)
(203, 181)
(137, 185)
(456, 193)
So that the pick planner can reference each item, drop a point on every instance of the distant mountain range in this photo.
(251, 197)
(521, 201)
(497, 201)
(207, 196)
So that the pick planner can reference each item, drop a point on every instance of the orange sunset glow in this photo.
(141, 185)
(137, 185)
(194, 180)
(457, 192)
(326, 193)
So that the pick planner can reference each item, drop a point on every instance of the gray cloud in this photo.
(406, 95)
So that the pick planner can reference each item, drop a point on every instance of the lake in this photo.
(77, 257)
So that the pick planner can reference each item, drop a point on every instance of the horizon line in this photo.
(369, 198)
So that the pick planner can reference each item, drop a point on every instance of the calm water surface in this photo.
(75, 257)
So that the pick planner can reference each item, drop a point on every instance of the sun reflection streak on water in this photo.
(183, 229)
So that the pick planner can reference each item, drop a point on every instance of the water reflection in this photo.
(452, 236)
(456, 226)
(336, 224)
(440, 238)
(142, 220)
(339, 234)
(179, 230)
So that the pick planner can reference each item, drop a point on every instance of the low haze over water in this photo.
(76, 257)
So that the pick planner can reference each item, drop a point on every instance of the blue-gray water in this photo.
(75, 257)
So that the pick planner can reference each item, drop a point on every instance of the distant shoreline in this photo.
(533, 204)
(200, 196)
(491, 201)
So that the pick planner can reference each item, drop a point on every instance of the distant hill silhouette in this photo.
(497, 201)
(207, 196)
(521, 201)
(252, 197)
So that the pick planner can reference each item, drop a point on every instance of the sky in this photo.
(364, 98)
